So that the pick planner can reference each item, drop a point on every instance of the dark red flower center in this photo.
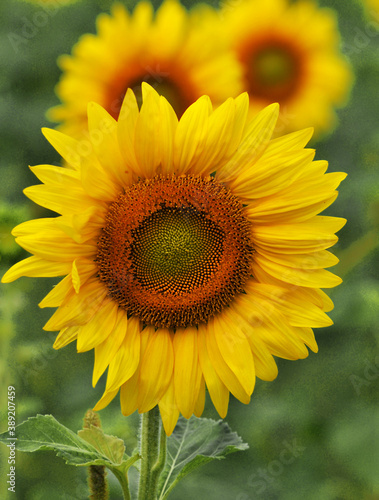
(175, 250)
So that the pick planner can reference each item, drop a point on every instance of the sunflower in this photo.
(290, 54)
(191, 250)
(175, 52)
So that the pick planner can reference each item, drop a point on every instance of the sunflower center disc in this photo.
(175, 250)
(274, 70)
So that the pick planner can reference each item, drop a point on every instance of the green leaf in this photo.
(43, 432)
(195, 442)
(110, 446)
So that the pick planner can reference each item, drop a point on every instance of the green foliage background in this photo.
(312, 432)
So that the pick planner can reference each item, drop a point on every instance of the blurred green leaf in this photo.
(194, 443)
(44, 432)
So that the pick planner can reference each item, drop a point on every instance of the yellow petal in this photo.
(168, 409)
(191, 135)
(126, 130)
(66, 146)
(300, 309)
(270, 326)
(147, 142)
(60, 199)
(99, 327)
(187, 373)
(312, 235)
(129, 390)
(264, 364)
(293, 214)
(106, 351)
(222, 368)
(217, 389)
(106, 398)
(235, 350)
(58, 293)
(263, 179)
(301, 200)
(125, 362)
(312, 260)
(66, 336)
(31, 227)
(129, 395)
(103, 133)
(82, 271)
(156, 369)
(219, 138)
(84, 226)
(142, 20)
(307, 336)
(167, 131)
(296, 140)
(241, 110)
(200, 403)
(50, 174)
(171, 29)
(315, 278)
(318, 297)
(96, 181)
(255, 140)
(36, 267)
(55, 245)
(78, 308)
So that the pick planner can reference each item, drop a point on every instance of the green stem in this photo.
(160, 463)
(123, 480)
(153, 453)
(97, 474)
(97, 480)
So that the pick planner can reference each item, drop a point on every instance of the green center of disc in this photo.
(274, 73)
(176, 250)
(274, 67)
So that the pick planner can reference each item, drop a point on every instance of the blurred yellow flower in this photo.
(372, 10)
(290, 54)
(191, 250)
(174, 51)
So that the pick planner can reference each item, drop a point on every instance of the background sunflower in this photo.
(289, 52)
(173, 50)
(311, 431)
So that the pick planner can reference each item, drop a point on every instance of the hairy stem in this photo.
(153, 452)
